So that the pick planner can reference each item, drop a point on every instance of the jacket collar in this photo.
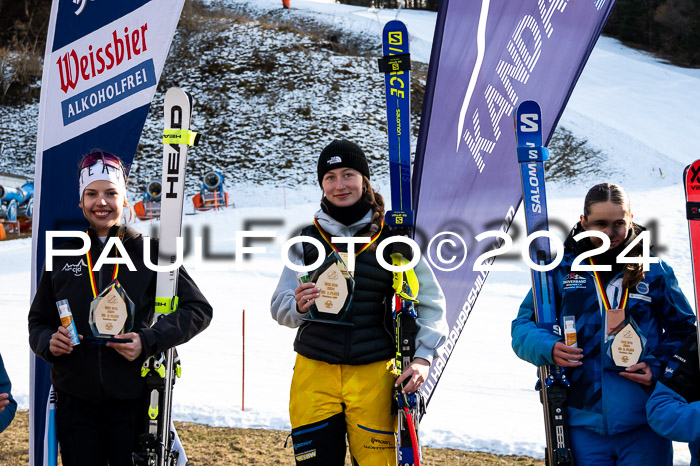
(335, 228)
(128, 234)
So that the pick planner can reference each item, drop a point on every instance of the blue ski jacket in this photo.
(599, 398)
(8, 414)
(673, 409)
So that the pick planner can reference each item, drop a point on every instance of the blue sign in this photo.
(138, 78)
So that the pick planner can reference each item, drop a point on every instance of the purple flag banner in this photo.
(102, 64)
(487, 56)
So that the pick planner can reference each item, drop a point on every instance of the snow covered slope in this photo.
(638, 111)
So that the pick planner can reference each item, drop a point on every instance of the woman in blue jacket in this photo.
(8, 405)
(673, 410)
(606, 403)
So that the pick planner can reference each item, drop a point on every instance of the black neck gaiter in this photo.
(346, 215)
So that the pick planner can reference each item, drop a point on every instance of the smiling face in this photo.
(342, 186)
(609, 218)
(102, 205)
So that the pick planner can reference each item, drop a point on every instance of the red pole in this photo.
(243, 370)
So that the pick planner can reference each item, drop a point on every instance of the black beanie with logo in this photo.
(341, 154)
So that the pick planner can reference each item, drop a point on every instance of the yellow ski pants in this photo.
(361, 394)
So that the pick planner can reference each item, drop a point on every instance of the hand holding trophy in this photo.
(336, 287)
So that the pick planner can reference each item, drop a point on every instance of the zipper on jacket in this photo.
(602, 380)
(348, 338)
(99, 368)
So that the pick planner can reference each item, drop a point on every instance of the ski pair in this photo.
(160, 370)
(396, 65)
(552, 382)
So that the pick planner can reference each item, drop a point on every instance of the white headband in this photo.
(100, 171)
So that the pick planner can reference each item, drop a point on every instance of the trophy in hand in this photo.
(336, 290)
(626, 345)
(111, 314)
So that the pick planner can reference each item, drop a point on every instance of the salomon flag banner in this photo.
(487, 56)
(102, 63)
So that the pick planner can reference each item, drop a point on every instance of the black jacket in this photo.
(94, 372)
(682, 374)
(371, 338)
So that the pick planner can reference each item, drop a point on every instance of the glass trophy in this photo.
(111, 314)
(336, 290)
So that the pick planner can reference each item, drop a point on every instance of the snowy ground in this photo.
(636, 110)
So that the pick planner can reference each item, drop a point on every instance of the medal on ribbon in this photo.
(336, 283)
(625, 345)
(111, 310)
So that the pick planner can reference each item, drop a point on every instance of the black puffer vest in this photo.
(371, 338)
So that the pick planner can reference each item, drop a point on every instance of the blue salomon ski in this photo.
(396, 65)
(553, 383)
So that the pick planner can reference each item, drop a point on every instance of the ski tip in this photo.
(174, 91)
(691, 177)
(177, 92)
(528, 106)
(395, 24)
(528, 125)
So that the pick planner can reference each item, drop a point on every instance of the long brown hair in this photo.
(610, 192)
(376, 201)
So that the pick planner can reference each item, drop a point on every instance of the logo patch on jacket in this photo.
(574, 281)
(77, 269)
(642, 288)
(307, 455)
(671, 367)
(302, 444)
(640, 296)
